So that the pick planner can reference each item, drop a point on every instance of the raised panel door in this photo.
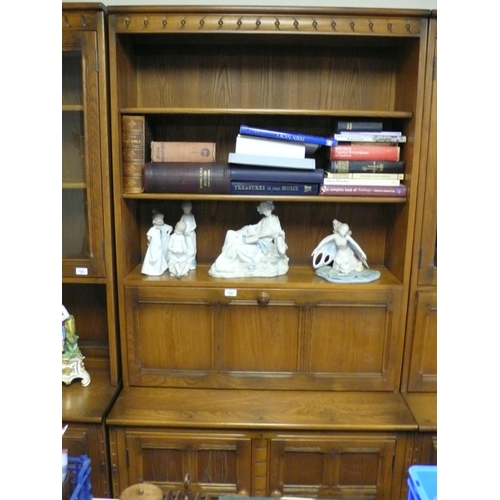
(351, 465)
(215, 463)
(280, 338)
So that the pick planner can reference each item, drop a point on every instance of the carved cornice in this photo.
(189, 22)
(79, 20)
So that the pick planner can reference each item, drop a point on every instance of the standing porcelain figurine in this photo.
(338, 258)
(155, 261)
(190, 234)
(178, 256)
(257, 250)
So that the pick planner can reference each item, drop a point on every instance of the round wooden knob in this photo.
(263, 298)
(276, 494)
(243, 493)
(142, 491)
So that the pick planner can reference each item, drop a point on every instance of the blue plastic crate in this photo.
(422, 482)
(79, 474)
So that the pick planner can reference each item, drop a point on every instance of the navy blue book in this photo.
(288, 136)
(274, 188)
(241, 173)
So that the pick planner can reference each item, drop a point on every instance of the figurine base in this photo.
(364, 276)
(73, 369)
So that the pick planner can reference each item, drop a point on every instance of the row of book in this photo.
(363, 162)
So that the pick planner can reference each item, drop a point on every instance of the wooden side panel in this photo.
(423, 362)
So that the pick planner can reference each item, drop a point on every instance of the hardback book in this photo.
(354, 152)
(274, 188)
(173, 151)
(375, 137)
(272, 161)
(347, 190)
(365, 166)
(364, 175)
(242, 173)
(136, 135)
(287, 136)
(246, 144)
(360, 182)
(186, 177)
(359, 126)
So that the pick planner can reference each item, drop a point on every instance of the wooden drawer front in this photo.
(284, 339)
(342, 466)
(423, 363)
(219, 464)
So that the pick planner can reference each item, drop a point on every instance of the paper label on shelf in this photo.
(230, 292)
(82, 271)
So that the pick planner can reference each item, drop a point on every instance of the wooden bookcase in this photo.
(419, 381)
(238, 381)
(88, 274)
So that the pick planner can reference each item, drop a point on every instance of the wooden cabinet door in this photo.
(90, 440)
(82, 213)
(271, 338)
(216, 463)
(350, 465)
(423, 358)
(427, 272)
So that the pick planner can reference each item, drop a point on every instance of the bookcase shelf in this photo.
(272, 112)
(235, 197)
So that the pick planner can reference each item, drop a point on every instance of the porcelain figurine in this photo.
(155, 261)
(189, 233)
(179, 257)
(339, 258)
(257, 250)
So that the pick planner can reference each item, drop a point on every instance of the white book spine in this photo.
(361, 182)
(269, 147)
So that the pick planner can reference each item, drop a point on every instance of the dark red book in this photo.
(340, 190)
(186, 177)
(364, 152)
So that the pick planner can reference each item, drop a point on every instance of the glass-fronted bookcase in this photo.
(88, 277)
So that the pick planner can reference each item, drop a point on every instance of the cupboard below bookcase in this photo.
(321, 363)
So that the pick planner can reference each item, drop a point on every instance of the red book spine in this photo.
(340, 190)
(366, 152)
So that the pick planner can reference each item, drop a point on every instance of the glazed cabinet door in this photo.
(82, 214)
(214, 462)
(263, 338)
(354, 466)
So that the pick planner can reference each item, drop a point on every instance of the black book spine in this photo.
(186, 177)
(356, 126)
(366, 166)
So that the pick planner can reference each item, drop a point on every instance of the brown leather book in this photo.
(136, 137)
(186, 177)
(172, 151)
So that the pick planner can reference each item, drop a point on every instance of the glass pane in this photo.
(75, 240)
(72, 78)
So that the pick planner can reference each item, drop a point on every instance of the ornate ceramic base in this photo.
(74, 368)
(365, 276)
